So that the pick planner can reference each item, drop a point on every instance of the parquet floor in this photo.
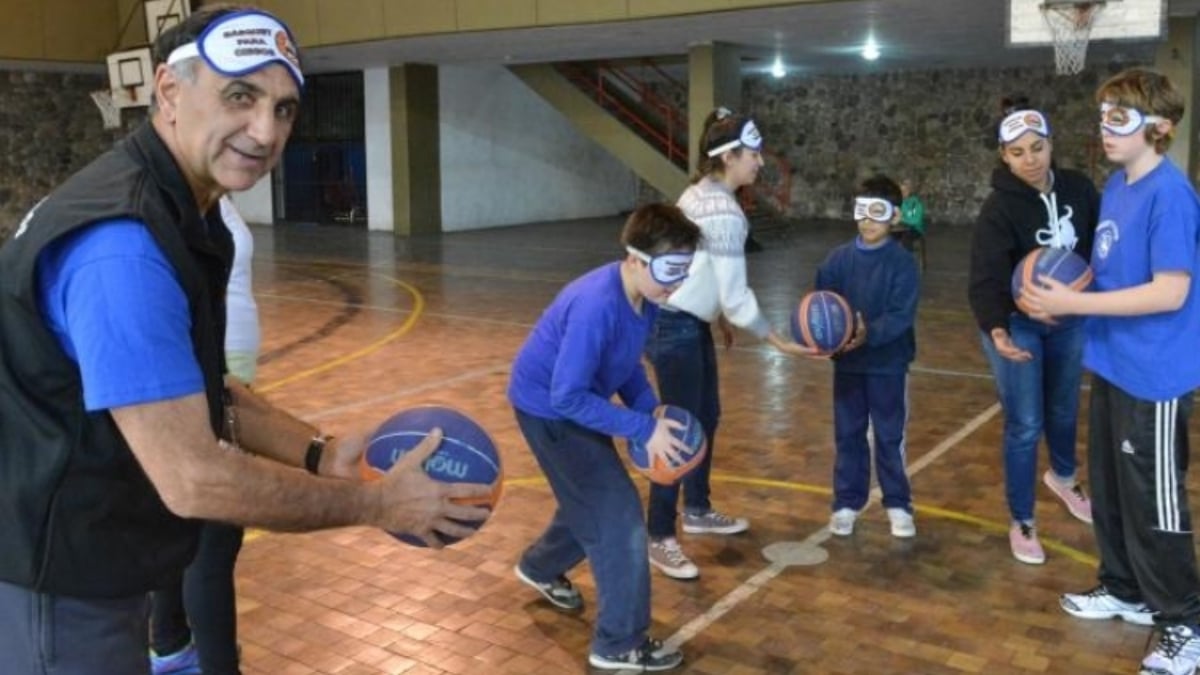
(358, 325)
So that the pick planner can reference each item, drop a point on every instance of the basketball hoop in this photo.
(108, 109)
(1071, 25)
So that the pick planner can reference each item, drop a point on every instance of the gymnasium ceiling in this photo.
(809, 38)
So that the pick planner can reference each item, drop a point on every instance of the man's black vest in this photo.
(78, 516)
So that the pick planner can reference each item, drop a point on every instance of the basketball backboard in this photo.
(1116, 20)
(162, 14)
(130, 76)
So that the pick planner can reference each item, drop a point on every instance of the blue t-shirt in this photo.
(586, 347)
(115, 304)
(1150, 226)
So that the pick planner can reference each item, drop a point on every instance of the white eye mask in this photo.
(243, 42)
(1021, 121)
(748, 137)
(873, 208)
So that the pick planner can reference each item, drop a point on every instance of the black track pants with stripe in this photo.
(1137, 465)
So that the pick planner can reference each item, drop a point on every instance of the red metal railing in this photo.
(614, 88)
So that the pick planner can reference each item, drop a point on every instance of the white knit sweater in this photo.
(716, 282)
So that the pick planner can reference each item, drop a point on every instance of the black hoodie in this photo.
(1016, 219)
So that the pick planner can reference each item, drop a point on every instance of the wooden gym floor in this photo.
(357, 326)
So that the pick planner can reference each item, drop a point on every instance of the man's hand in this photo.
(343, 456)
(411, 502)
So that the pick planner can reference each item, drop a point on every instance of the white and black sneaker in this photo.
(1177, 652)
(651, 656)
(1098, 603)
(559, 592)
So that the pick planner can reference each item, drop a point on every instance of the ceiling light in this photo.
(777, 69)
(870, 51)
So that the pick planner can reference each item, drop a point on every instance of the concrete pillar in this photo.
(1177, 58)
(714, 78)
(416, 166)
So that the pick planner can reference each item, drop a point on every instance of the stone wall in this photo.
(937, 127)
(49, 128)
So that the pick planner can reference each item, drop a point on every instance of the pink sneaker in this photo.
(1071, 495)
(1025, 545)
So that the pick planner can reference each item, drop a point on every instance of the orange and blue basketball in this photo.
(823, 320)
(465, 455)
(1057, 263)
(692, 434)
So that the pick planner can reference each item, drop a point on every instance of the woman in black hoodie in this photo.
(1036, 364)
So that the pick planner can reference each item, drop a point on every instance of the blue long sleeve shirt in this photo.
(585, 348)
(883, 285)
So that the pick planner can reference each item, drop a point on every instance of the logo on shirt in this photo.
(1107, 235)
(1060, 232)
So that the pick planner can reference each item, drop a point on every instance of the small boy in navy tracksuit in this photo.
(878, 277)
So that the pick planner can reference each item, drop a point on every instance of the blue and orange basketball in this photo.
(465, 455)
(1057, 263)
(823, 320)
(692, 434)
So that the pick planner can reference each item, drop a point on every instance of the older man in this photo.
(112, 399)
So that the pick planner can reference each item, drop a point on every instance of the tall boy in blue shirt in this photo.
(586, 347)
(1140, 344)
(878, 277)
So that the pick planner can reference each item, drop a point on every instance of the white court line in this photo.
(735, 597)
(457, 379)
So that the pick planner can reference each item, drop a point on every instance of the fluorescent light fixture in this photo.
(777, 69)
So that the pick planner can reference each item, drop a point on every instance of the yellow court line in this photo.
(935, 511)
(418, 308)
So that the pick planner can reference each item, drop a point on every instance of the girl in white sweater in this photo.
(681, 345)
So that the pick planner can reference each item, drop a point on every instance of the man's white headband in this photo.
(243, 42)
(748, 137)
(1021, 121)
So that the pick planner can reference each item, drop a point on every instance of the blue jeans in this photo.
(1039, 397)
(681, 350)
(59, 635)
(599, 517)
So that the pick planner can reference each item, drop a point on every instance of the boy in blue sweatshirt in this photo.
(586, 347)
(878, 277)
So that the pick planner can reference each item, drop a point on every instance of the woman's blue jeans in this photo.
(1039, 397)
(681, 350)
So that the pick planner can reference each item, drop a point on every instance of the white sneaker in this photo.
(902, 523)
(842, 522)
(1098, 603)
(667, 556)
(1177, 652)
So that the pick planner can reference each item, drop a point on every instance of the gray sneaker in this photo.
(559, 592)
(666, 555)
(651, 656)
(713, 522)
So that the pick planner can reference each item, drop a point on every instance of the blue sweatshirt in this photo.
(882, 284)
(586, 347)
